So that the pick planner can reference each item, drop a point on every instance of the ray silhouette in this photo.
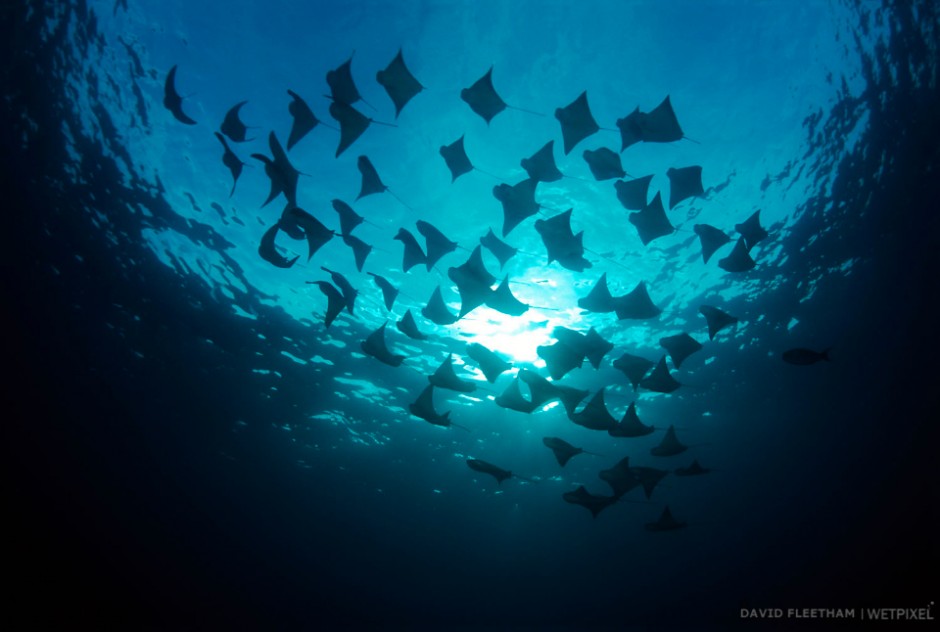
(751, 230)
(576, 120)
(473, 281)
(436, 243)
(456, 158)
(375, 346)
(496, 472)
(232, 126)
(304, 120)
(360, 250)
(543, 391)
(560, 359)
(482, 97)
(739, 260)
(665, 522)
(349, 292)
(670, 445)
(599, 300)
(604, 164)
(711, 238)
(409, 327)
(445, 377)
(636, 304)
(348, 218)
(630, 425)
(288, 223)
(632, 193)
(518, 202)
(716, 319)
(398, 82)
(389, 291)
(335, 301)
(595, 415)
(621, 477)
(371, 182)
(342, 87)
(541, 166)
(488, 362)
(563, 245)
(413, 254)
(594, 504)
(634, 367)
(230, 160)
(683, 184)
(660, 380)
(680, 347)
(352, 124)
(315, 232)
(649, 478)
(563, 450)
(502, 300)
(436, 310)
(512, 399)
(501, 250)
(423, 408)
(590, 345)
(659, 125)
(651, 223)
(692, 470)
(280, 171)
(172, 100)
(268, 250)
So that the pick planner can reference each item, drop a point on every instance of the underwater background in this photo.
(190, 447)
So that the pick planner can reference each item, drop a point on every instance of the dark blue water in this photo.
(192, 448)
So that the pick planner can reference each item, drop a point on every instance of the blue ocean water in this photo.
(194, 448)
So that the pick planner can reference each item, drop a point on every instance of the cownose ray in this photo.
(563, 450)
(413, 255)
(630, 425)
(512, 398)
(335, 301)
(684, 183)
(634, 367)
(304, 120)
(695, 469)
(711, 239)
(502, 300)
(400, 85)
(604, 163)
(498, 473)
(488, 361)
(348, 218)
(342, 87)
(473, 281)
(315, 232)
(680, 347)
(232, 125)
(716, 319)
(543, 391)
(352, 124)
(591, 345)
(172, 99)
(389, 291)
(659, 125)
(541, 166)
(651, 222)
(500, 249)
(349, 292)
(649, 478)
(436, 310)
(660, 380)
(268, 250)
(436, 243)
(739, 260)
(360, 250)
(632, 194)
(666, 522)
(751, 230)
(560, 358)
(409, 327)
(594, 415)
(288, 224)
(485, 101)
(445, 377)
(577, 122)
(636, 304)
(670, 445)
(371, 182)
(599, 300)
(280, 171)
(561, 243)
(230, 160)
(621, 478)
(375, 346)
(458, 162)
(518, 201)
(593, 503)
(423, 408)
